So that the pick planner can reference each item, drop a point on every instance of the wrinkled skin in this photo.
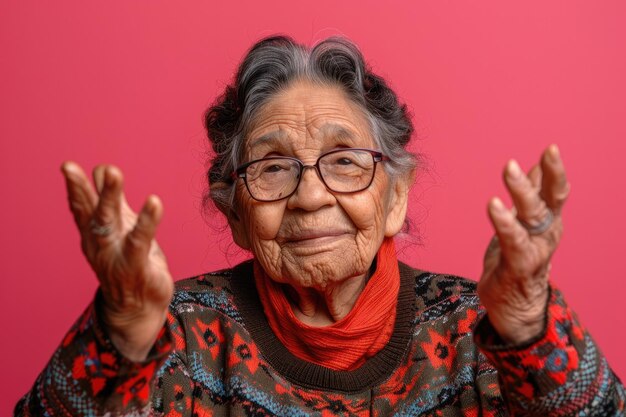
(514, 283)
(135, 283)
(320, 244)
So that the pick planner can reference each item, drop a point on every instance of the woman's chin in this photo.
(321, 265)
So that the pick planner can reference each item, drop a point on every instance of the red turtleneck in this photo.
(349, 342)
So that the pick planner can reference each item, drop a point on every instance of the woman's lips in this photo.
(314, 237)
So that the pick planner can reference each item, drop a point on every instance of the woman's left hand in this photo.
(514, 284)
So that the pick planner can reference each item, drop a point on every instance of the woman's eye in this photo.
(344, 161)
(273, 168)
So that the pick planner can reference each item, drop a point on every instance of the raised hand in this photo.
(135, 282)
(514, 284)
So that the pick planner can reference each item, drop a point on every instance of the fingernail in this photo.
(68, 168)
(150, 206)
(65, 166)
(514, 169)
(109, 176)
(498, 205)
(553, 152)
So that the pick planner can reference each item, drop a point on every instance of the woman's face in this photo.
(315, 237)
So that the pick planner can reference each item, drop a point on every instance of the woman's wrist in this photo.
(135, 342)
(134, 334)
(519, 326)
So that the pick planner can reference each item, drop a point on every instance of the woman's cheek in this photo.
(264, 220)
(365, 211)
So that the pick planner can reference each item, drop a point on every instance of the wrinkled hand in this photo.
(135, 282)
(514, 284)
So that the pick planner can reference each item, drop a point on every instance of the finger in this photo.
(98, 177)
(530, 208)
(127, 213)
(535, 175)
(81, 195)
(511, 235)
(554, 185)
(108, 211)
(139, 240)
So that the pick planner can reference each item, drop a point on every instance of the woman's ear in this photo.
(398, 203)
(237, 229)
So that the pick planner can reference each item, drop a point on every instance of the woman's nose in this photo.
(311, 193)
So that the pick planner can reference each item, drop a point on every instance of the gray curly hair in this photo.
(269, 67)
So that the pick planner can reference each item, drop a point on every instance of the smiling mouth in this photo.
(315, 238)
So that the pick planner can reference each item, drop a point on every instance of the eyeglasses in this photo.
(342, 171)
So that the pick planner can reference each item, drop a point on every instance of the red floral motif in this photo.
(471, 412)
(280, 389)
(94, 368)
(403, 380)
(174, 413)
(209, 336)
(201, 411)
(137, 387)
(440, 350)
(244, 352)
(466, 324)
(554, 356)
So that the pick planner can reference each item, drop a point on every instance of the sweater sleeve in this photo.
(560, 373)
(88, 376)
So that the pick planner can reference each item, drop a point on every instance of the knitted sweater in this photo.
(217, 357)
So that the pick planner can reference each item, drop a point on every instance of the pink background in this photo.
(127, 83)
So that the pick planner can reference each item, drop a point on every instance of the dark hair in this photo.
(270, 66)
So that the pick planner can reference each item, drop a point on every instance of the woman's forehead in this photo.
(328, 132)
(310, 117)
(286, 140)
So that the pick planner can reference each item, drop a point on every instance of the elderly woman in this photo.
(312, 172)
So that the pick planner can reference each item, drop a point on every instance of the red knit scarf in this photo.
(348, 343)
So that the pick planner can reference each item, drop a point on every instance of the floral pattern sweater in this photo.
(216, 356)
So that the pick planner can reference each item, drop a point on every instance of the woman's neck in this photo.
(342, 326)
(323, 308)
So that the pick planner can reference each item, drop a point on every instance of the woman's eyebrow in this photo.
(268, 138)
(337, 132)
(327, 130)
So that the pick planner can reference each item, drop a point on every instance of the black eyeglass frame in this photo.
(240, 172)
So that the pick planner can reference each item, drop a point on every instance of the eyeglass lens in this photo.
(342, 171)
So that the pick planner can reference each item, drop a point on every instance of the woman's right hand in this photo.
(135, 282)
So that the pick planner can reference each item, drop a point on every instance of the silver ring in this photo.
(99, 229)
(541, 227)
